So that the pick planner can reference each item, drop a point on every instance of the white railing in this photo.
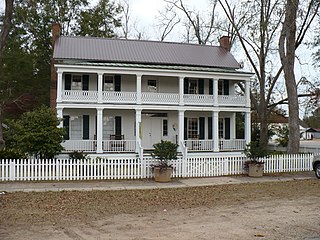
(79, 96)
(234, 144)
(79, 145)
(118, 145)
(119, 97)
(135, 167)
(198, 99)
(231, 100)
(199, 145)
(151, 98)
(160, 98)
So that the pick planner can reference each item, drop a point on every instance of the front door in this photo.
(151, 131)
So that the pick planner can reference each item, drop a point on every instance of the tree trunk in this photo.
(3, 38)
(287, 48)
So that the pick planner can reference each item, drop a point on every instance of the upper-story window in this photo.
(76, 83)
(223, 87)
(152, 85)
(221, 128)
(193, 86)
(108, 83)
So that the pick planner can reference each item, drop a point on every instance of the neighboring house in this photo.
(122, 96)
(311, 133)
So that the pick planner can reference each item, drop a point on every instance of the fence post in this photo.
(226, 168)
(12, 170)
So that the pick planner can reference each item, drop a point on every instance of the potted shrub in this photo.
(254, 152)
(164, 152)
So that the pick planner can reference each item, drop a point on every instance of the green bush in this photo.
(8, 153)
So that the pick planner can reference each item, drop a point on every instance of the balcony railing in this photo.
(79, 96)
(151, 98)
(231, 100)
(160, 98)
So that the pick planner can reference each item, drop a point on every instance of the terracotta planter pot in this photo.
(255, 169)
(162, 174)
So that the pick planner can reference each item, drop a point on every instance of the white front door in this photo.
(151, 131)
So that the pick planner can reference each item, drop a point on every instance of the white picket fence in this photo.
(135, 168)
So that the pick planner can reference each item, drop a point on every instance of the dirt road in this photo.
(282, 210)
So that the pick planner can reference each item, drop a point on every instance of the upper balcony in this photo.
(152, 90)
(79, 96)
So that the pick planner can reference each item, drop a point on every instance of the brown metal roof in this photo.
(147, 52)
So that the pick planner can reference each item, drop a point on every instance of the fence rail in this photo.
(137, 168)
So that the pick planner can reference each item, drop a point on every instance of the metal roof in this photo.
(143, 52)
(153, 66)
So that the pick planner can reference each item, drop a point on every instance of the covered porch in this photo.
(132, 131)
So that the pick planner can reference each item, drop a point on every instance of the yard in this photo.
(282, 210)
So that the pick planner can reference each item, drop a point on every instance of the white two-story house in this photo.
(121, 96)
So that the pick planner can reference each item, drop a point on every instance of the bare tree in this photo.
(287, 42)
(202, 28)
(5, 29)
(168, 19)
(125, 6)
(258, 41)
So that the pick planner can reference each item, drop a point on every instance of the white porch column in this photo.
(138, 128)
(60, 116)
(180, 128)
(233, 126)
(181, 90)
(247, 93)
(247, 127)
(139, 89)
(99, 130)
(215, 92)
(59, 86)
(215, 130)
(100, 79)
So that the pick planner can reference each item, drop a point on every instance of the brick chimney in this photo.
(56, 32)
(225, 42)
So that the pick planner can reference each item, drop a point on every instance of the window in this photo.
(108, 126)
(152, 85)
(108, 83)
(220, 87)
(193, 128)
(164, 127)
(221, 127)
(76, 82)
(193, 86)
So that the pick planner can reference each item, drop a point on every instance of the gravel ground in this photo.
(281, 210)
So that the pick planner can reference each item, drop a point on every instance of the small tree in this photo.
(254, 151)
(37, 133)
(165, 151)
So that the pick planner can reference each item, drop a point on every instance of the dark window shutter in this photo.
(201, 127)
(117, 83)
(118, 125)
(209, 127)
(85, 82)
(186, 85)
(210, 87)
(85, 133)
(66, 124)
(226, 87)
(227, 128)
(67, 82)
(185, 128)
(201, 86)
